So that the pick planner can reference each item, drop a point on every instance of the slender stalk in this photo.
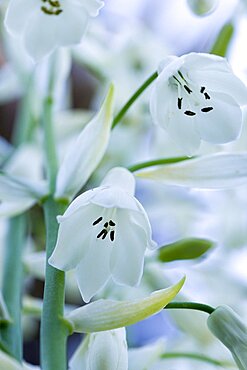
(54, 331)
(193, 356)
(191, 306)
(157, 162)
(133, 98)
(49, 143)
(11, 334)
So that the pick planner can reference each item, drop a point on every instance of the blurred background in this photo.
(125, 44)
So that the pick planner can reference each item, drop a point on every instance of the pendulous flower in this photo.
(104, 233)
(197, 97)
(228, 327)
(45, 25)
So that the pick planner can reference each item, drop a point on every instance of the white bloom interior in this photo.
(196, 97)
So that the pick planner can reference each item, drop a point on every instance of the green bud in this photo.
(202, 7)
(184, 249)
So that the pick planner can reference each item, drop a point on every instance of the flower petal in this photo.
(120, 177)
(73, 241)
(223, 123)
(18, 15)
(82, 159)
(128, 252)
(92, 6)
(93, 271)
(107, 314)
(217, 171)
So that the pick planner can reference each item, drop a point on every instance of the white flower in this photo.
(44, 25)
(103, 233)
(102, 351)
(197, 97)
(228, 327)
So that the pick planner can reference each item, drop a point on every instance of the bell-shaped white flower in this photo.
(228, 327)
(9, 363)
(44, 25)
(103, 233)
(197, 97)
(82, 159)
(102, 351)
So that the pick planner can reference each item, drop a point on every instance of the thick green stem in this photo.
(11, 334)
(193, 356)
(191, 306)
(133, 98)
(54, 332)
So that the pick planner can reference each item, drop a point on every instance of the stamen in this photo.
(189, 91)
(97, 221)
(203, 88)
(206, 96)
(180, 103)
(180, 74)
(102, 234)
(112, 235)
(106, 225)
(111, 223)
(177, 80)
(53, 9)
(189, 113)
(206, 109)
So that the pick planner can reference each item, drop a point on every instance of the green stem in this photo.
(11, 333)
(54, 331)
(49, 143)
(191, 306)
(157, 162)
(193, 356)
(133, 98)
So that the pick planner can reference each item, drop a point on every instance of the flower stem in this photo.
(157, 162)
(11, 333)
(191, 306)
(54, 332)
(133, 98)
(193, 356)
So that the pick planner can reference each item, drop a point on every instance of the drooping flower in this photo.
(102, 351)
(44, 25)
(104, 233)
(228, 327)
(197, 97)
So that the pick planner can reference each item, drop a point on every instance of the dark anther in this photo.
(202, 89)
(106, 225)
(180, 74)
(206, 96)
(97, 221)
(189, 113)
(102, 234)
(206, 109)
(111, 223)
(177, 80)
(180, 103)
(57, 12)
(189, 91)
(55, 4)
(112, 235)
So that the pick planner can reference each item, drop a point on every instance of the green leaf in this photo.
(107, 314)
(185, 249)
(222, 42)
